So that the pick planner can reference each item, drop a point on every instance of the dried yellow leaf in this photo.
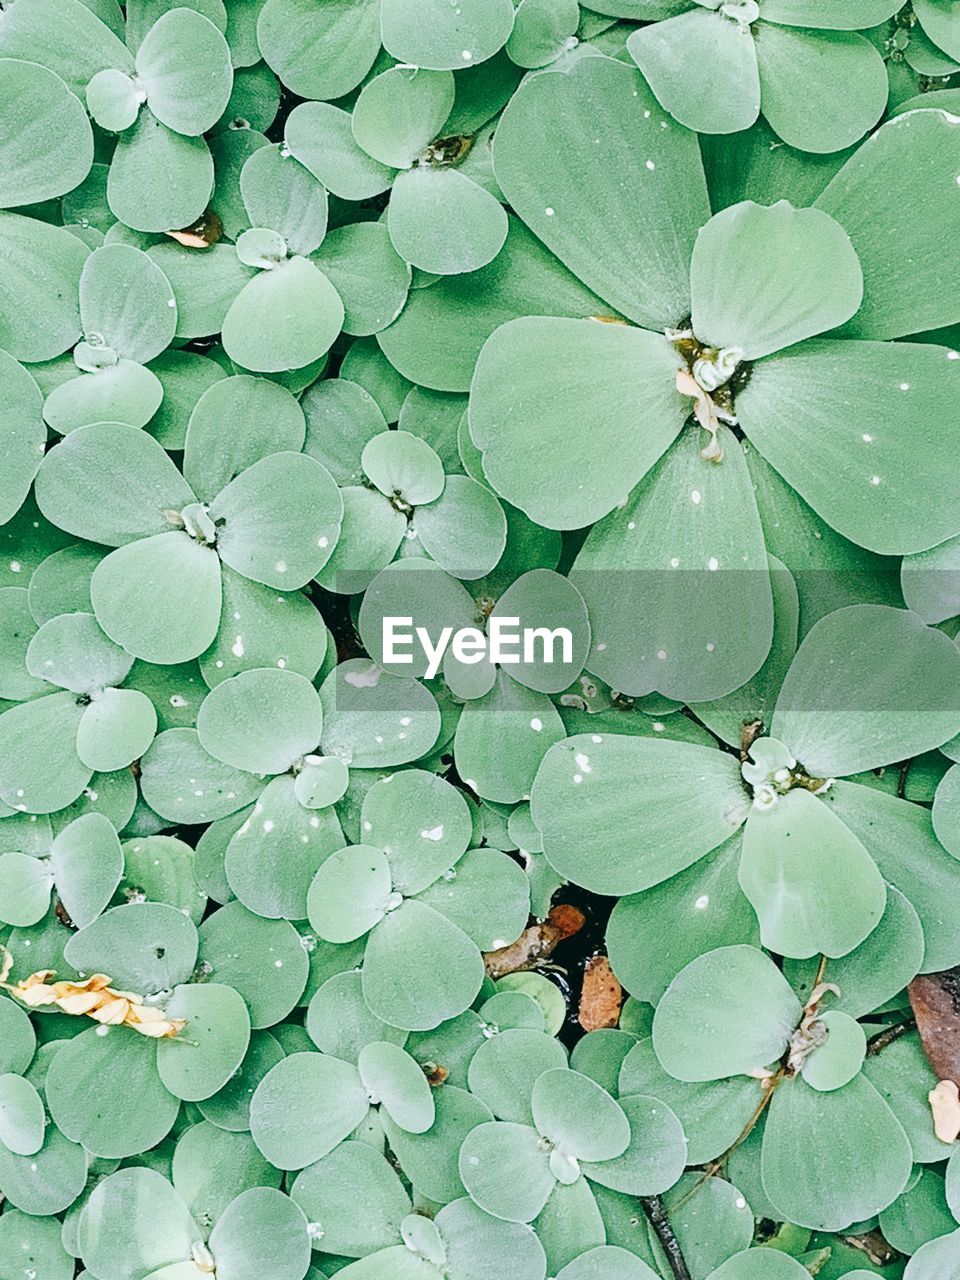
(945, 1104)
(91, 997)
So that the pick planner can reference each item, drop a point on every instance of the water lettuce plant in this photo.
(340, 339)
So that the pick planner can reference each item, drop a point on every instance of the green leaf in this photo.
(537, 371)
(263, 960)
(183, 66)
(844, 708)
(40, 771)
(112, 99)
(639, 174)
(110, 483)
(136, 595)
(579, 1117)
(214, 1040)
(376, 720)
(726, 1013)
(41, 264)
(46, 143)
(280, 520)
(668, 588)
(652, 935)
(283, 319)
(835, 1062)
(68, 37)
(261, 721)
(419, 969)
(863, 1168)
(367, 272)
(753, 1265)
(935, 1259)
(116, 729)
(803, 273)
(26, 883)
(320, 52)
(320, 136)
(505, 1169)
(439, 36)
(431, 1159)
(394, 1080)
(813, 885)
(508, 1064)
(261, 1231)
(72, 651)
(542, 31)
(501, 739)
(805, 85)
(606, 1262)
(145, 947)
(159, 180)
(304, 1107)
(681, 800)
(100, 1063)
(87, 865)
(656, 1155)
(22, 435)
(356, 1194)
(913, 289)
(442, 221)
(350, 894)
(22, 1116)
(126, 302)
(264, 629)
(723, 102)
(133, 1223)
(281, 194)
(864, 440)
(400, 112)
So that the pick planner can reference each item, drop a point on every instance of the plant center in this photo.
(772, 770)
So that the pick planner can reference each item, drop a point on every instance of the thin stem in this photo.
(879, 1042)
(656, 1213)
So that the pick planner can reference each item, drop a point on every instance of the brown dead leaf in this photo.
(203, 233)
(601, 997)
(935, 998)
(535, 944)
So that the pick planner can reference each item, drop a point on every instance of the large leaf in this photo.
(159, 180)
(127, 302)
(813, 885)
(765, 278)
(645, 181)
(164, 1231)
(619, 814)
(46, 143)
(320, 51)
(670, 577)
(412, 987)
(435, 34)
(845, 706)
(137, 593)
(441, 221)
(829, 1184)
(915, 288)
(807, 84)
(22, 434)
(726, 100)
(183, 66)
(864, 444)
(261, 721)
(280, 520)
(611, 387)
(727, 1013)
(41, 265)
(110, 483)
(283, 318)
